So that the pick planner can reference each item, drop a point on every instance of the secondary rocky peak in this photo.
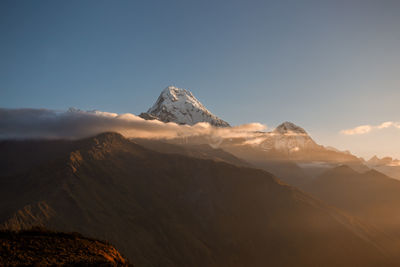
(180, 106)
(289, 127)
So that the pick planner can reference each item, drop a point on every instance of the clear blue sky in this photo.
(325, 65)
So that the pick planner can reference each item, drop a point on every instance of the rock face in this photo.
(180, 106)
(290, 128)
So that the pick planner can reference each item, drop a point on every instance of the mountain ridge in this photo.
(174, 210)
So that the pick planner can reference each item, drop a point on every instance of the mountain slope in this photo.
(203, 151)
(180, 106)
(372, 196)
(172, 210)
(274, 162)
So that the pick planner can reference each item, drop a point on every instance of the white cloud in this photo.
(363, 129)
(74, 124)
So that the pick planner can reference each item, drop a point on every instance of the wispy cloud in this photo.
(364, 129)
(74, 124)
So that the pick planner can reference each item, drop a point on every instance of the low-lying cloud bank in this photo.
(363, 129)
(75, 124)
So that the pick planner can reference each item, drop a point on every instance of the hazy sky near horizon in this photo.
(327, 66)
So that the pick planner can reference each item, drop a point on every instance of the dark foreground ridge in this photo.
(41, 247)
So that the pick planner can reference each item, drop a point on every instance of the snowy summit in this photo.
(180, 106)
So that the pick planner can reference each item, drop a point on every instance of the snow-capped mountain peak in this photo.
(180, 106)
(177, 97)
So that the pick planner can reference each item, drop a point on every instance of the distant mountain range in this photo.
(180, 106)
(287, 142)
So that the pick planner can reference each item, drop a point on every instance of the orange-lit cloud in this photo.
(73, 124)
(364, 129)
